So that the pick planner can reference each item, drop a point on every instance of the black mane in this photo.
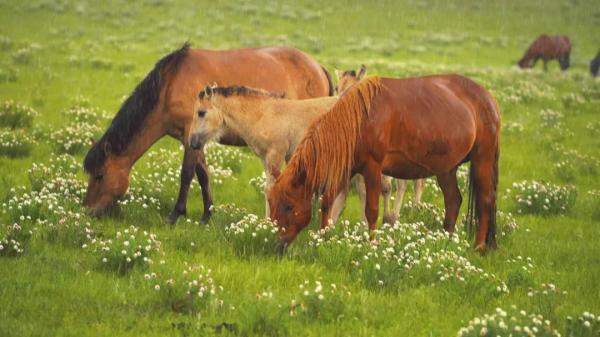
(128, 121)
(237, 90)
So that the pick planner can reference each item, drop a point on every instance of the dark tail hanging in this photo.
(329, 81)
(472, 209)
(471, 216)
(491, 234)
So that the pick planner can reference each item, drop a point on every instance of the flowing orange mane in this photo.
(326, 153)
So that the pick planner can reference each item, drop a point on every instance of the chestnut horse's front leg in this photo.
(372, 175)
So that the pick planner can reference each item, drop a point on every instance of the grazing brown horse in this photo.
(406, 128)
(548, 48)
(162, 104)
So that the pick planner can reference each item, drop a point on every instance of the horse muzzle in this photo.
(196, 142)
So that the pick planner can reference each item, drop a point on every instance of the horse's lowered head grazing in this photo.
(348, 78)
(525, 63)
(290, 203)
(133, 129)
(108, 179)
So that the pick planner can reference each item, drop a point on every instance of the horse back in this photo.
(277, 69)
(550, 46)
(428, 125)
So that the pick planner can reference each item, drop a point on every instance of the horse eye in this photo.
(99, 177)
(201, 113)
(287, 208)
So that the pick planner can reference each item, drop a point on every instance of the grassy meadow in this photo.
(65, 68)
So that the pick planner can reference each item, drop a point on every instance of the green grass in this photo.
(52, 53)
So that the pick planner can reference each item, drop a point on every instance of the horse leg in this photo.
(360, 190)
(272, 163)
(386, 191)
(338, 205)
(452, 198)
(186, 175)
(400, 190)
(372, 177)
(327, 201)
(419, 186)
(484, 174)
(545, 64)
(204, 181)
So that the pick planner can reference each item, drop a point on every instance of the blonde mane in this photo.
(326, 153)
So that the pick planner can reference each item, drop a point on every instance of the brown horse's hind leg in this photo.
(452, 198)
(202, 175)
(186, 175)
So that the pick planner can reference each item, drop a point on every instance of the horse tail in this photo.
(329, 81)
(472, 208)
(471, 203)
(491, 234)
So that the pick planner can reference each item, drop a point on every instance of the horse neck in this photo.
(241, 115)
(152, 131)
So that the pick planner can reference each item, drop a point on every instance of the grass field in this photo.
(66, 67)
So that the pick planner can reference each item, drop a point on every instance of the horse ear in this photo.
(208, 91)
(362, 71)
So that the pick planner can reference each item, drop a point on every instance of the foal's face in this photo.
(290, 207)
(105, 186)
(207, 123)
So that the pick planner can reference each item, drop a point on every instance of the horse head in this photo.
(290, 206)
(348, 78)
(207, 120)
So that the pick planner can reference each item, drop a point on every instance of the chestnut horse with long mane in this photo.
(162, 104)
(548, 48)
(406, 128)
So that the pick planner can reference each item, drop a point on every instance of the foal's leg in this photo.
(401, 185)
(272, 163)
(452, 198)
(372, 175)
(186, 175)
(386, 191)
(203, 180)
(360, 190)
(327, 202)
(338, 205)
(419, 187)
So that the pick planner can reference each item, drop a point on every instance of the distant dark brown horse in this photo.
(406, 128)
(548, 48)
(162, 104)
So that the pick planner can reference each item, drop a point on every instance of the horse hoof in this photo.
(480, 248)
(173, 216)
(205, 218)
(389, 220)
